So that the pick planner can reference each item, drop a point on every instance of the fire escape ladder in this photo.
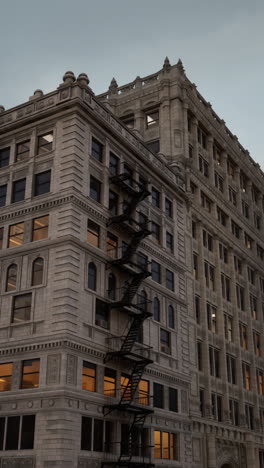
(134, 379)
(132, 334)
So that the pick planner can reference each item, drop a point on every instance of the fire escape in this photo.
(131, 357)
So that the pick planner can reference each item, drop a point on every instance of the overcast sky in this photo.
(220, 42)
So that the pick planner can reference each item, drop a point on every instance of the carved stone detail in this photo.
(71, 373)
(53, 369)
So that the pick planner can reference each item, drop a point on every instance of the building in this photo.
(94, 334)
(224, 250)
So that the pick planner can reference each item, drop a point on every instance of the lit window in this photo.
(21, 308)
(11, 278)
(30, 374)
(42, 183)
(93, 233)
(143, 390)
(95, 189)
(37, 272)
(40, 228)
(22, 150)
(45, 143)
(3, 190)
(152, 118)
(110, 382)
(6, 377)
(18, 192)
(4, 157)
(89, 376)
(97, 150)
(165, 445)
(92, 273)
(16, 235)
(125, 387)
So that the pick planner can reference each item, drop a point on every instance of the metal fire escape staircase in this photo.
(136, 272)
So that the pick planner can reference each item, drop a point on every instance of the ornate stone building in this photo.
(225, 256)
(94, 333)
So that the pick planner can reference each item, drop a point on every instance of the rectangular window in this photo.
(231, 168)
(22, 150)
(153, 146)
(129, 120)
(260, 252)
(113, 203)
(158, 395)
(219, 182)
(168, 208)
(216, 406)
(89, 376)
(234, 412)
(102, 314)
(4, 157)
(251, 275)
(19, 431)
(228, 324)
(236, 230)
(114, 164)
(194, 230)
(225, 286)
(260, 381)
(156, 271)
(3, 189)
(217, 155)
(152, 118)
(40, 228)
(143, 392)
(86, 434)
(238, 264)
(155, 197)
(257, 221)
(231, 369)
(211, 317)
(18, 191)
(256, 342)
(207, 240)
(165, 445)
(6, 376)
(42, 183)
(169, 241)
(165, 346)
(110, 382)
(45, 143)
(30, 373)
(202, 137)
(16, 235)
(246, 376)
(253, 306)
(93, 233)
(209, 273)
(1, 237)
(240, 295)
(206, 202)
(95, 189)
(245, 209)
(173, 399)
(155, 230)
(197, 308)
(214, 360)
(97, 150)
(232, 196)
(243, 336)
(249, 411)
(195, 266)
(170, 280)
(21, 308)
(199, 356)
(248, 241)
(203, 166)
(223, 253)
(221, 216)
(112, 245)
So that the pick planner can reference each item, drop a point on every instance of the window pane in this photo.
(12, 433)
(18, 193)
(42, 183)
(37, 271)
(93, 233)
(97, 150)
(16, 235)
(89, 376)
(173, 399)
(27, 432)
(92, 276)
(30, 374)
(86, 437)
(21, 308)
(158, 395)
(3, 189)
(22, 150)
(45, 143)
(11, 278)
(110, 382)
(40, 228)
(157, 444)
(2, 432)
(95, 189)
(4, 157)
(6, 376)
(98, 435)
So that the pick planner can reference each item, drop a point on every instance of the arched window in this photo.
(11, 277)
(92, 276)
(37, 272)
(111, 286)
(171, 319)
(156, 309)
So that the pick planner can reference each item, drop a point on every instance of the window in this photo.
(190, 151)
(216, 406)
(249, 411)
(214, 361)
(207, 240)
(234, 412)
(199, 356)
(232, 196)
(165, 445)
(248, 241)
(255, 193)
(168, 208)
(30, 374)
(18, 192)
(240, 295)
(246, 376)
(114, 164)
(155, 229)
(261, 282)
(156, 309)
(257, 221)
(37, 272)
(171, 319)
(42, 183)
(253, 306)
(206, 202)
(221, 216)
(152, 118)
(202, 137)
(236, 230)
(128, 172)
(231, 369)
(173, 399)
(97, 150)
(111, 287)
(155, 197)
(169, 241)
(4, 157)
(231, 168)
(109, 382)
(40, 229)
(155, 271)
(195, 266)
(3, 189)
(194, 189)
(96, 435)
(251, 275)
(143, 392)
(165, 341)
(95, 189)
(211, 317)
(245, 209)
(92, 274)
(6, 370)
(194, 226)
(89, 376)
(202, 406)
(238, 264)
(170, 280)
(113, 202)
(21, 308)
(209, 273)
(93, 233)
(217, 155)
(225, 286)
(260, 381)
(11, 278)
(260, 252)
(112, 245)
(197, 308)
(158, 395)
(243, 336)
(153, 146)
(19, 432)
(22, 150)
(16, 235)
(243, 182)
(129, 120)
(203, 166)
(101, 314)
(1, 237)
(45, 143)
(134, 441)
(256, 342)
(223, 253)
(228, 325)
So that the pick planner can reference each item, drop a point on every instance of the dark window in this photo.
(45, 143)
(93, 233)
(156, 309)
(97, 150)
(21, 308)
(18, 192)
(114, 164)
(19, 432)
(231, 369)
(92, 273)
(1, 237)
(27, 432)
(42, 183)
(16, 235)
(129, 173)
(3, 189)
(165, 341)
(171, 319)
(155, 197)
(113, 202)
(199, 356)
(30, 374)
(22, 150)
(197, 308)
(128, 120)
(173, 399)
(169, 241)
(112, 245)
(168, 207)
(95, 189)
(98, 439)
(86, 440)
(37, 272)
(156, 272)
(4, 157)
(155, 229)
(40, 228)
(158, 395)
(11, 278)
(12, 433)
(102, 314)
(89, 376)
(170, 280)
(154, 146)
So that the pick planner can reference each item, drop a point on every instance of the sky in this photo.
(221, 44)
